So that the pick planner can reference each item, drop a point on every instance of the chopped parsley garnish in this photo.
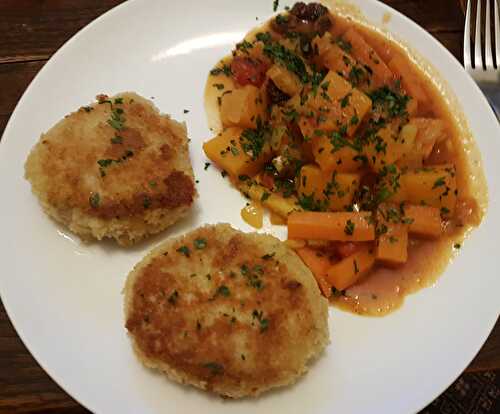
(200, 244)
(287, 58)
(117, 139)
(356, 268)
(275, 5)
(349, 228)
(225, 70)
(263, 322)
(172, 299)
(186, 111)
(105, 163)
(214, 367)
(244, 46)
(309, 203)
(146, 202)
(344, 45)
(207, 164)
(252, 140)
(268, 256)
(184, 250)
(223, 290)
(94, 200)
(265, 196)
(345, 100)
(117, 120)
(219, 86)
(457, 246)
(439, 182)
(391, 102)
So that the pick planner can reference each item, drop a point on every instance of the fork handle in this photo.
(492, 93)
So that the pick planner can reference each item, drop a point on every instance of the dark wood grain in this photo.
(35, 29)
(30, 32)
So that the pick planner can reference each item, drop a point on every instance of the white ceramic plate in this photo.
(65, 299)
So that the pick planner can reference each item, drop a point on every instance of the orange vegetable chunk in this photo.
(392, 243)
(225, 150)
(319, 265)
(425, 220)
(365, 54)
(349, 270)
(342, 226)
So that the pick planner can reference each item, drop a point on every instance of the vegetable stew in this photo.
(333, 128)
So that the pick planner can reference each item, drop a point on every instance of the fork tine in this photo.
(487, 40)
(467, 38)
(496, 24)
(478, 58)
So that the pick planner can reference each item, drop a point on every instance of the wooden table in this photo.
(30, 32)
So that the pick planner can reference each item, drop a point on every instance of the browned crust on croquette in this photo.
(238, 317)
(102, 181)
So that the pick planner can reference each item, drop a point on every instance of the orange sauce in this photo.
(253, 214)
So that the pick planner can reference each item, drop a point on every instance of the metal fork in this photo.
(484, 70)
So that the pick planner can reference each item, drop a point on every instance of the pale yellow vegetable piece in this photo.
(226, 151)
(285, 80)
(243, 107)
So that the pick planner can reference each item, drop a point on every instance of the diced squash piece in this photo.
(226, 152)
(335, 190)
(429, 132)
(385, 149)
(410, 158)
(319, 265)
(311, 181)
(366, 55)
(285, 80)
(342, 226)
(274, 202)
(349, 270)
(337, 60)
(410, 79)
(345, 159)
(430, 186)
(340, 190)
(392, 242)
(322, 44)
(242, 107)
(390, 146)
(424, 220)
(339, 103)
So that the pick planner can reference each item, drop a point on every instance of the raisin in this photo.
(274, 94)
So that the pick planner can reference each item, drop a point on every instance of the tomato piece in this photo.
(267, 180)
(248, 71)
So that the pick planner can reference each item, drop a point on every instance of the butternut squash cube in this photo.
(424, 221)
(392, 242)
(349, 270)
(340, 104)
(242, 107)
(334, 190)
(226, 151)
(284, 79)
(431, 186)
(345, 159)
(410, 79)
